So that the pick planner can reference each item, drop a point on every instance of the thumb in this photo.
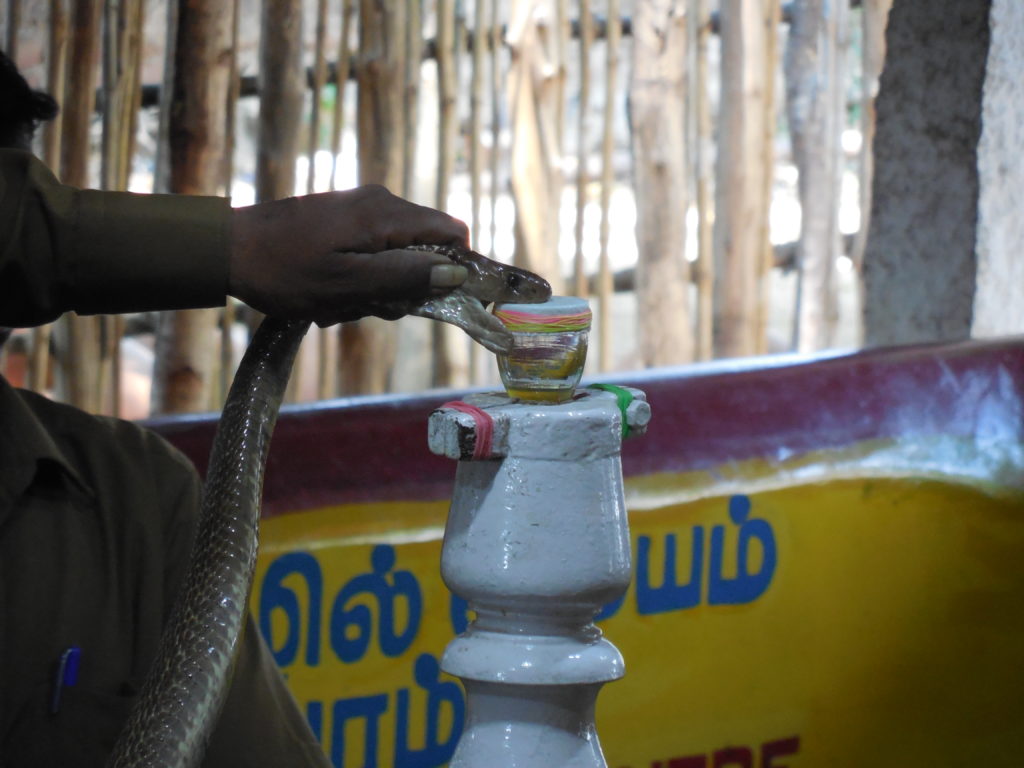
(405, 275)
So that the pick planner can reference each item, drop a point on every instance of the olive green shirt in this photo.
(97, 515)
(64, 249)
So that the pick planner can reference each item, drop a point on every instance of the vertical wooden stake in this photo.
(319, 76)
(701, 29)
(341, 73)
(581, 286)
(604, 285)
(80, 359)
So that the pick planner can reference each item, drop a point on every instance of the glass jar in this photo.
(550, 348)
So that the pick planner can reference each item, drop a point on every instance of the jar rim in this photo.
(560, 314)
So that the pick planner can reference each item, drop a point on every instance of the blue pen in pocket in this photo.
(67, 675)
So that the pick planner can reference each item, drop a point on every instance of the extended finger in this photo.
(399, 275)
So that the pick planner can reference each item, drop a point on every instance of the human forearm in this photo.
(313, 257)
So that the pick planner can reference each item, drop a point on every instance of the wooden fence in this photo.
(680, 114)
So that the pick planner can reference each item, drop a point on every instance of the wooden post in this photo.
(700, 30)
(282, 85)
(56, 79)
(771, 17)
(369, 346)
(185, 361)
(496, 99)
(816, 103)
(282, 101)
(660, 182)
(448, 366)
(340, 81)
(319, 77)
(411, 91)
(604, 278)
(56, 71)
(561, 55)
(476, 98)
(740, 207)
(226, 367)
(78, 382)
(586, 23)
(536, 183)
(122, 80)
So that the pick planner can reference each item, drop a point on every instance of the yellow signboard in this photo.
(847, 622)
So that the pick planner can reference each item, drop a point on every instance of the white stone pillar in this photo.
(999, 288)
(537, 542)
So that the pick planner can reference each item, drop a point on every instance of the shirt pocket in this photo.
(81, 733)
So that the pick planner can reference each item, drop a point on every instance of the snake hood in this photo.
(489, 282)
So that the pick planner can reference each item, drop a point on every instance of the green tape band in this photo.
(623, 397)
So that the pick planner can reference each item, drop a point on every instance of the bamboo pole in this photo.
(740, 206)
(476, 94)
(319, 77)
(56, 76)
(122, 61)
(443, 344)
(411, 95)
(122, 80)
(281, 85)
(705, 265)
(185, 357)
(586, 24)
(604, 285)
(342, 68)
(369, 346)
(318, 338)
(226, 361)
(495, 89)
(771, 16)
(37, 373)
(657, 120)
(446, 87)
(329, 339)
(561, 55)
(226, 366)
(80, 336)
(535, 163)
(165, 102)
(816, 102)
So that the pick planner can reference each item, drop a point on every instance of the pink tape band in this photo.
(484, 427)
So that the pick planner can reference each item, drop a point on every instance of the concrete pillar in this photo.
(920, 264)
(999, 289)
(537, 541)
(943, 255)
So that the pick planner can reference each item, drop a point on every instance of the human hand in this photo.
(336, 256)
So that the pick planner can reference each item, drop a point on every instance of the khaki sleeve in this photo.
(261, 725)
(89, 251)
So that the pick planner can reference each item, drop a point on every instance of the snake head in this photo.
(491, 281)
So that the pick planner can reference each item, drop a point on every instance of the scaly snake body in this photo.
(187, 684)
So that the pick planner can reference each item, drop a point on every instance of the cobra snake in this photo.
(182, 695)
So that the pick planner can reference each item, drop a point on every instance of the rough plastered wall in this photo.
(999, 295)
(919, 266)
